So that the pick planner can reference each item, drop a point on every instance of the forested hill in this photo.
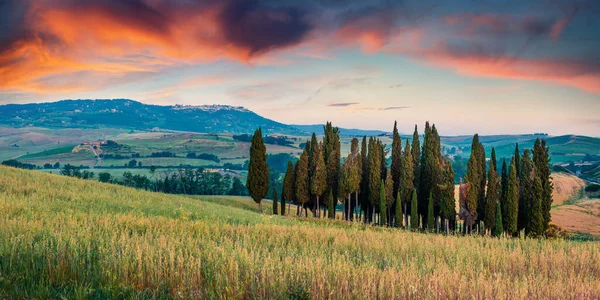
(123, 113)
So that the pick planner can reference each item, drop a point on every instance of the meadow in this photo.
(67, 238)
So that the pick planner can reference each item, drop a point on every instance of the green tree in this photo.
(351, 176)
(382, 205)
(535, 220)
(541, 158)
(396, 168)
(430, 217)
(503, 191)
(407, 183)
(331, 154)
(288, 186)
(498, 229)
(493, 194)
(389, 197)
(258, 170)
(416, 154)
(399, 215)
(364, 183)
(275, 201)
(473, 179)
(302, 180)
(374, 177)
(448, 202)
(318, 181)
(511, 212)
(425, 182)
(414, 212)
(527, 190)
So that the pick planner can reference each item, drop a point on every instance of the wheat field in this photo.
(68, 238)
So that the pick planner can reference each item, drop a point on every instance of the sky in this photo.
(485, 66)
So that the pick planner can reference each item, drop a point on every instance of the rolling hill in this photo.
(65, 238)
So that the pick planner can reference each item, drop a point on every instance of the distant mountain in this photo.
(130, 114)
(124, 113)
(318, 129)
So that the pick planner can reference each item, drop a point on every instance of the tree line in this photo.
(411, 187)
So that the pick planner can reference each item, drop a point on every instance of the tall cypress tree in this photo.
(389, 197)
(541, 160)
(416, 154)
(535, 220)
(511, 212)
(414, 213)
(275, 201)
(448, 202)
(493, 194)
(473, 179)
(318, 181)
(382, 205)
(517, 160)
(288, 186)
(498, 229)
(503, 191)
(396, 159)
(425, 183)
(331, 154)
(302, 179)
(258, 170)
(364, 183)
(407, 183)
(482, 183)
(374, 170)
(527, 190)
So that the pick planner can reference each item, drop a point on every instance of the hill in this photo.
(66, 238)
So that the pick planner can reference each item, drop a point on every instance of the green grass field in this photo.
(73, 239)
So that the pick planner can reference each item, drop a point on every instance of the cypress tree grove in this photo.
(493, 194)
(511, 212)
(407, 183)
(498, 229)
(302, 180)
(414, 212)
(396, 159)
(258, 170)
(382, 205)
(430, 217)
(318, 181)
(275, 202)
(448, 203)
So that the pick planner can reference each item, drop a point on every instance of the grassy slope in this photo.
(62, 237)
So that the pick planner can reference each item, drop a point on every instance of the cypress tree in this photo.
(473, 180)
(416, 154)
(541, 159)
(482, 183)
(527, 190)
(448, 203)
(382, 204)
(374, 176)
(302, 179)
(425, 183)
(430, 217)
(503, 191)
(389, 197)
(356, 175)
(493, 194)
(511, 212)
(364, 183)
(258, 170)
(331, 154)
(535, 225)
(288, 186)
(318, 181)
(414, 213)
(498, 229)
(275, 204)
(407, 183)
(517, 160)
(396, 159)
